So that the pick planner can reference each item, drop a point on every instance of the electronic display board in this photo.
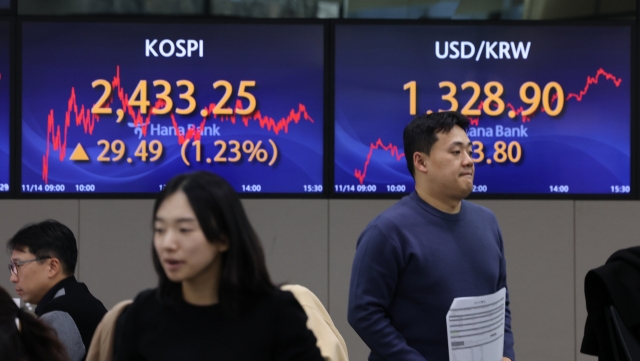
(5, 103)
(5, 4)
(123, 107)
(550, 106)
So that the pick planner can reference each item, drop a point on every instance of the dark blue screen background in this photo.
(285, 61)
(4, 106)
(586, 149)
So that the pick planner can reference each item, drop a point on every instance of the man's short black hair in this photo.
(49, 238)
(421, 133)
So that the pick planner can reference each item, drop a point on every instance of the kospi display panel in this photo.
(4, 104)
(124, 107)
(549, 106)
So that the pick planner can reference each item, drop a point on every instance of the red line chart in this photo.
(577, 96)
(394, 151)
(265, 121)
(81, 116)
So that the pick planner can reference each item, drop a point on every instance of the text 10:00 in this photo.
(396, 188)
(85, 187)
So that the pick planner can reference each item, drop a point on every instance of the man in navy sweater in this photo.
(429, 248)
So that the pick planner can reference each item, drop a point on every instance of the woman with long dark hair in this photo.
(214, 299)
(28, 339)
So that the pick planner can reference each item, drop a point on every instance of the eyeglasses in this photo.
(13, 266)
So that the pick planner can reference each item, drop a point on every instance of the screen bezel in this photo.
(12, 105)
(12, 9)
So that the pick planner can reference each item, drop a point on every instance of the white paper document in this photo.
(475, 327)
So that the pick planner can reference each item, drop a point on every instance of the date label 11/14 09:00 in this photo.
(56, 188)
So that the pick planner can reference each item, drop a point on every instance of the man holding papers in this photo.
(431, 247)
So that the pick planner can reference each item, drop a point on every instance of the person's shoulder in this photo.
(68, 333)
(285, 296)
(59, 319)
(75, 296)
(268, 307)
(70, 302)
(147, 297)
(303, 295)
(94, 303)
(277, 297)
(392, 223)
(288, 308)
(404, 206)
(399, 212)
(144, 306)
(295, 339)
(275, 300)
(476, 210)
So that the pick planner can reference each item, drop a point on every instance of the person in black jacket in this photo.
(215, 299)
(43, 261)
(617, 284)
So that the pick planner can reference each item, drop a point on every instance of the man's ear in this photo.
(420, 162)
(55, 267)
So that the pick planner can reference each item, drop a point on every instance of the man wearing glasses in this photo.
(43, 261)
